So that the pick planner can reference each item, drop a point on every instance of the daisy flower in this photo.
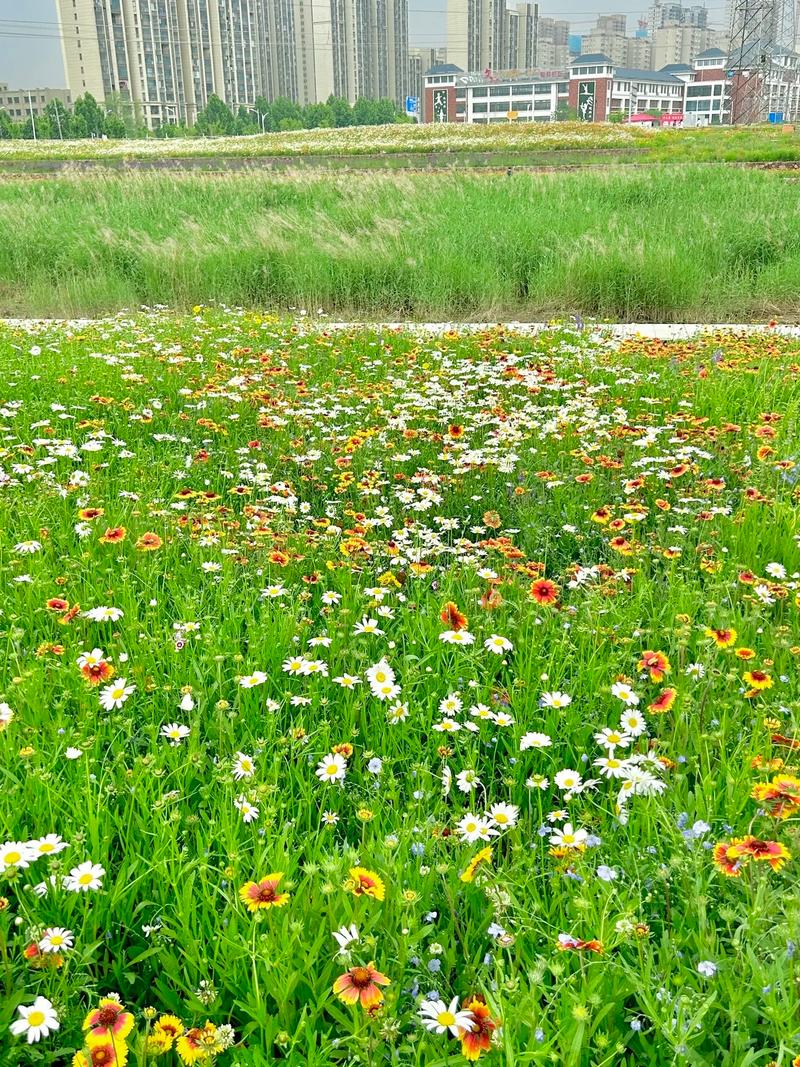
(498, 644)
(457, 637)
(243, 766)
(439, 1017)
(332, 768)
(114, 695)
(35, 1021)
(534, 740)
(16, 854)
(250, 681)
(85, 877)
(555, 700)
(175, 732)
(56, 939)
(624, 692)
(567, 837)
(504, 816)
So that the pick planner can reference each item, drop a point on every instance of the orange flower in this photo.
(455, 430)
(361, 985)
(730, 857)
(87, 514)
(113, 535)
(543, 591)
(108, 1022)
(149, 542)
(364, 883)
(452, 617)
(758, 680)
(95, 673)
(264, 893)
(781, 795)
(663, 702)
(722, 638)
(479, 1039)
(656, 663)
(109, 1054)
(56, 603)
(491, 599)
(492, 520)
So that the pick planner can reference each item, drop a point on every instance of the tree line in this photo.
(118, 118)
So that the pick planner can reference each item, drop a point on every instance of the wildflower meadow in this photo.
(379, 697)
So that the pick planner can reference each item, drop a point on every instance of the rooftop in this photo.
(593, 58)
(444, 68)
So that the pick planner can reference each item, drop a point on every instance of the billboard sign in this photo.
(440, 107)
(587, 94)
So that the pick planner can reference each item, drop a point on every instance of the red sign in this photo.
(671, 118)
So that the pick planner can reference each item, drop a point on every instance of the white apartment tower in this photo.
(168, 56)
(488, 34)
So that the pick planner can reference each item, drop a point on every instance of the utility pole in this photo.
(33, 119)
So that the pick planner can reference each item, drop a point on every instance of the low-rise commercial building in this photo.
(594, 89)
(20, 104)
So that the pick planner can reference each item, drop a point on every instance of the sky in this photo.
(30, 51)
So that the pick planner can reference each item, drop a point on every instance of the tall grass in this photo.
(688, 244)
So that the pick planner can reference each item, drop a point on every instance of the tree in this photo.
(42, 128)
(216, 118)
(6, 126)
(341, 110)
(286, 114)
(115, 127)
(565, 113)
(89, 112)
(316, 116)
(60, 119)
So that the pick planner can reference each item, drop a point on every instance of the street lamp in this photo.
(262, 118)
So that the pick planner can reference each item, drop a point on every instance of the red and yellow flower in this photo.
(361, 985)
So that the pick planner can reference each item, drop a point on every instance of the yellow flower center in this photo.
(12, 858)
(85, 879)
(36, 1018)
(445, 1018)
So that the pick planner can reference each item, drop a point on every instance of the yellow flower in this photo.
(484, 856)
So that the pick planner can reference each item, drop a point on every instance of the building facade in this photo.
(167, 57)
(20, 104)
(490, 35)
(705, 93)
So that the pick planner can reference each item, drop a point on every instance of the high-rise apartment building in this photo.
(490, 35)
(684, 43)
(168, 56)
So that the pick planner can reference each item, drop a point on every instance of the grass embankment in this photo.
(458, 143)
(691, 245)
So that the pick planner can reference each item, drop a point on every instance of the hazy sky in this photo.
(30, 51)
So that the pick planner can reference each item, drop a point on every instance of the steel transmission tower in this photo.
(762, 31)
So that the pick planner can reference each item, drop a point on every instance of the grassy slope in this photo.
(721, 144)
(691, 244)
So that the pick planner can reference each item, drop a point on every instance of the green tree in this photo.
(115, 127)
(286, 114)
(216, 118)
(341, 110)
(6, 126)
(565, 113)
(91, 114)
(60, 119)
(316, 116)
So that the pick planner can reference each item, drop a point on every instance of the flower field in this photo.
(382, 698)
